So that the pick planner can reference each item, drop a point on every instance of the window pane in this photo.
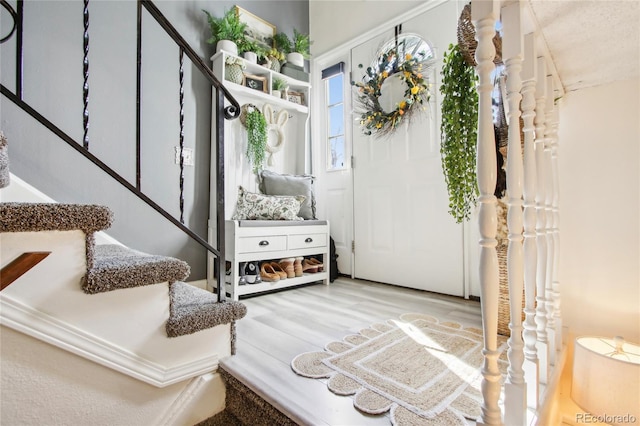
(336, 120)
(335, 86)
(336, 153)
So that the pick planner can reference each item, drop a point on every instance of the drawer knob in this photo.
(308, 240)
(263, 243)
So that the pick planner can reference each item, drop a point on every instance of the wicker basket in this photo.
(504, 315)
(244, 110)
(467, 39)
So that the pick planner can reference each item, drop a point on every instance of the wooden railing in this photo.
(532, 187)
(20, 266)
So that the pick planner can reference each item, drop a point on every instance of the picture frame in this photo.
(296, 97)
(258, 30)
(256, 82)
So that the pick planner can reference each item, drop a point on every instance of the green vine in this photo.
(459, 133)
(256, 137)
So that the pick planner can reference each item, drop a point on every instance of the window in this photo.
(334, 104)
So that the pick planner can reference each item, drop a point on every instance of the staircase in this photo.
(117, 307)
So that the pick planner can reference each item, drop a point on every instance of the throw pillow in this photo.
(276, 184)
(253, 206)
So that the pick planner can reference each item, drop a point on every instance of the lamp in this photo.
(606, 379)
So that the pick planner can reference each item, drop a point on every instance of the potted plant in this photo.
(250, 50)
(278, 86)
(256, 126)
(227, 33)
(296, 49)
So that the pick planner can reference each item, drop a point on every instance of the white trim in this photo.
(44, 327)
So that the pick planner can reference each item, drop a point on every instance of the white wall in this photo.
(336, 22)
(599, 212)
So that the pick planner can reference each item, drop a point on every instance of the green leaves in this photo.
(458, 131)
(256, 138)
(228, 27)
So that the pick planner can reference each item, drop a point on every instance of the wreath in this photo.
(374, 119)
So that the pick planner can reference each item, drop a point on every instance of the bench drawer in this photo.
(262, 244)
(307, 241)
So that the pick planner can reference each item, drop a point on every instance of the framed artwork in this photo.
(257, 29)
(256, 82)
(296, 98)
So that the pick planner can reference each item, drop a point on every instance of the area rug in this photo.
(421, 370)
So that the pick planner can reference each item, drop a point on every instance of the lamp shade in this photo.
(606, 379)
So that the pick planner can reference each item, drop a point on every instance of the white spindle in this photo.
(556, 232)
(548, 208)
(512, 51)
(528, 104)
(541, 223)
(483, 14)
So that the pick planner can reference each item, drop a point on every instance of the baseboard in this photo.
(44, 327)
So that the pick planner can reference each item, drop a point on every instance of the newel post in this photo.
(530, 366)
(483, 16)
(512, 51)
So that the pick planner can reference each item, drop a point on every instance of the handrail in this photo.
(20, 266)
(232, 111)
(95, 160)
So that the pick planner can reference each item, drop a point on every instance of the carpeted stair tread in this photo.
(34, 217)
(116, 267)
(193, 309)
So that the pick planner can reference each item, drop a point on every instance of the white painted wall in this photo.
(599, 164)
(333, 23)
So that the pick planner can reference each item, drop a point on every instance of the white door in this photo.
(402, 230)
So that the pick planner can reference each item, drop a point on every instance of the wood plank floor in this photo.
(281, 325)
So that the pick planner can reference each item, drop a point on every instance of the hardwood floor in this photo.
(281, 325)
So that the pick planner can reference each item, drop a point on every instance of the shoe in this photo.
(268, 273)
(252, 273)
(297, 266)
(309, 267)
(315, 261)
(287, 266)
(281, 272)
(243, 279)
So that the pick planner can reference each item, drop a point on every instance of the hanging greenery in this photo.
(374, 119)
(256, 126)
(459, 133)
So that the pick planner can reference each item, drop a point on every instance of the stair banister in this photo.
(229, 112)
(541, 237)
(483, 15)
(528, 105)
(512, 52)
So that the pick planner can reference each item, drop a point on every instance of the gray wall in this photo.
(53, 81)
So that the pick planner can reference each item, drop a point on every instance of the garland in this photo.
(373, 118)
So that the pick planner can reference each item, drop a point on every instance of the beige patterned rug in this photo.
(419, 369)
